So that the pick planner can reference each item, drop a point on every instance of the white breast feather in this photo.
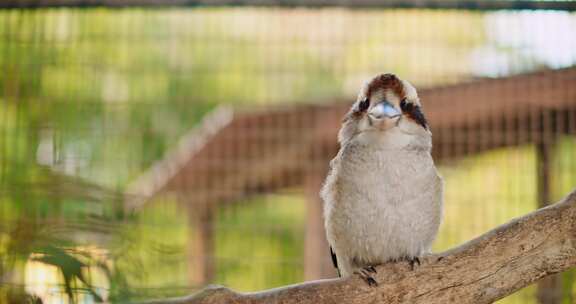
(382, 202)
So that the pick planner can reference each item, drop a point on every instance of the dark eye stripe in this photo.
(414, 112)
(418, 116)
(363, 105)
(404, 106)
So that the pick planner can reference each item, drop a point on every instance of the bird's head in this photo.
(385, 105)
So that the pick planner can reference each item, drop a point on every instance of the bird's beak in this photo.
(384, 109)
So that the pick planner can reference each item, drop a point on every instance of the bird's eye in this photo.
(404, 106)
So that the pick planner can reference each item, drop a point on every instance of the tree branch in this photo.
(483, 270)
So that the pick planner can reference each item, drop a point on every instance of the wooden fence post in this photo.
(317, 263)
(200, 245)
(550, 288)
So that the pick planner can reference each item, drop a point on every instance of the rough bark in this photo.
(482, 270)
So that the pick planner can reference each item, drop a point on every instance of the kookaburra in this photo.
(383, 195)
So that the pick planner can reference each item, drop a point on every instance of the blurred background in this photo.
(148, 147)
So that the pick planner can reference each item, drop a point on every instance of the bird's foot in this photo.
(365, 274)
(413, 261)
(371, 268)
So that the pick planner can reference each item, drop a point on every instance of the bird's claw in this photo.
(365, 274)
(413, 261)
(371, 269)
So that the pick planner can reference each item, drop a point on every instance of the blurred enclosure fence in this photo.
(150, 150)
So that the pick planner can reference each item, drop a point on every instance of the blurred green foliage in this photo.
(263, 240)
